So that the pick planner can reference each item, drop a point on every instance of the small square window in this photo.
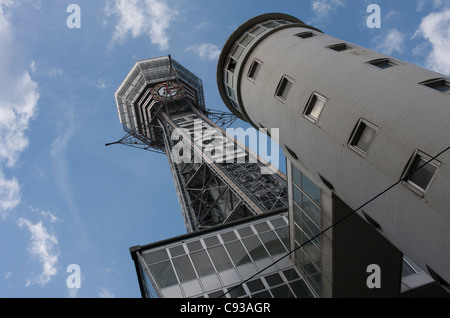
(254, 70)
(283, 88)
(420, 172)
(362, 137)
(314, 107)
(440, 84)
(382, 63)
(339, 47)
(305, 35)
(231, 65)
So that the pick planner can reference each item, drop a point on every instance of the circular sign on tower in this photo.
(167, 90)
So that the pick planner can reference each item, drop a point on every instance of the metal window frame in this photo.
(411, 165)
(356, 134)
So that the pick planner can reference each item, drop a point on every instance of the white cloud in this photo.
(46, 214)
(43, 247)
(18, 105)
(143, 17)
(206, 51)
(420, 4)
(105, 293)
(390, 42)
(435, 28)
(9, 194)
(323, 8)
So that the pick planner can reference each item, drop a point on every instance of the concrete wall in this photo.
(409, 116)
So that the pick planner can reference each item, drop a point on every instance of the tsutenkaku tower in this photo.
(161, 108)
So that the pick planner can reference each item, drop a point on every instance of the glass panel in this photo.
(317, 105)
(163, 274)
(264, 294)
(283, 233)
(229, 236)
(211, 241)
(176, 250)
(298, 235)
(254, 70)
(440, 85)
(311, 230)
(255, 285)
(278, 222)
(274, 279)
(311, 210)
(284, 88)
(246, 40)
(257, 31)
(237, 52)
(272, 243)
(282, 292)
(297, 195)
(365, 138)
(202, 263)
(311, 189)
(237, 292)
(237, 253)
(422, 177)
(246, 231)
(300, 289)
(194, 246)
(220, 258)
(297, 215)
(184, 268)
(216, 294)
(291, 274)
(296, 175)
(262, 227)
(255, 248)
(155, 257)
(270, 24)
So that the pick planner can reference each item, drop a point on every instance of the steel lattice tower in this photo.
(161, 108)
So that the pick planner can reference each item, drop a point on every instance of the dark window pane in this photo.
(184, 268)
(163, 274)
(282, 292)
(220, 258)
(255, 247)
(237, 253)
(202, 263)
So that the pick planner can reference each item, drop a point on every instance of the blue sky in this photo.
(65, 198)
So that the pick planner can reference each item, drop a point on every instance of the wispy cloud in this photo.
(391, 41)
(105, 293)
(43, 247)
(206, 51)
(323, 8)
(18, 106)
(142, 17)
(435, 28)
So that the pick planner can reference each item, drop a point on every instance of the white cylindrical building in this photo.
(354, 122)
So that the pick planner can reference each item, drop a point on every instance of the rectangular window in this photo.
(382, 63)
(314, 107)
(420, 172)
(231, 65)
(339, 47)
(439, 84)
(305, 35)
(362, 136)
(246, 39)
(254, 70)
(284, 86)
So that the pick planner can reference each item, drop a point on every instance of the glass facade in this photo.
(307, 215)
(216, 263)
